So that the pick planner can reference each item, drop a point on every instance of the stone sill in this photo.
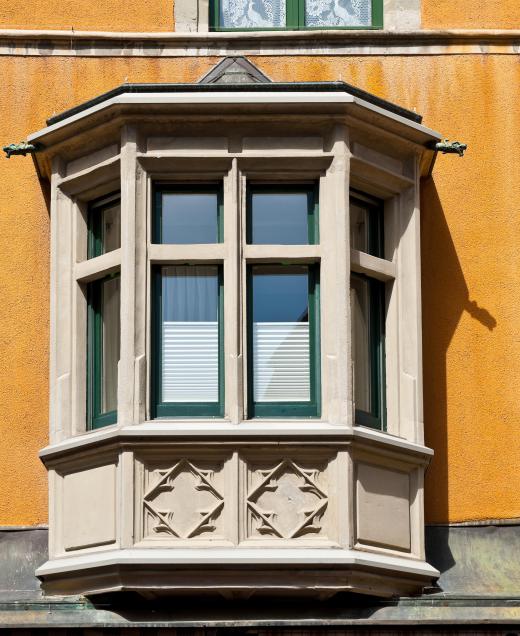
(182, 430)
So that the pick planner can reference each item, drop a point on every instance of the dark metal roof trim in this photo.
(326, 87)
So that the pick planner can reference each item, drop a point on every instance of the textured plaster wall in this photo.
(470, 14)
(471, 269)
(157, 15)
(83, 15)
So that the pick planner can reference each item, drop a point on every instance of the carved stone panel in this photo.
(183, 500)
(287, 498)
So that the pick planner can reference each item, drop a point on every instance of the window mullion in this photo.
(233, 358)
(293, 14)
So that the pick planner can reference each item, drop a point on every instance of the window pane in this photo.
(341, 13)
(110, 317)
(367, 226)
(279, 218)
(111, 228)
(360, 302)
(359, 228)
(189, 334)
(280, 332)
(104, 227)
(189, 217)
(252, 14)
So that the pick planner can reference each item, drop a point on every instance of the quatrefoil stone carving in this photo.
(183, 502)
(287, 502)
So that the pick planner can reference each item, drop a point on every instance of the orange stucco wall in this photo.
(88, 15)
(157, 15)
(471, 269)
(470, 14)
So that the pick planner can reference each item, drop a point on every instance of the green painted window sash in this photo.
(295, 18)
(312, 206)
(95, 223)
(160, 409)
(168, 188)
(289, 409)
(376, 418)
(376, 238)
(95, 417)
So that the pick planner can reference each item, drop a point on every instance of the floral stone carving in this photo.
(287, 502)
(183, 502)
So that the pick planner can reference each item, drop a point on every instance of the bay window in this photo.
(236, 344)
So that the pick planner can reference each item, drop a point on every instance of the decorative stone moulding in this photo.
(235, 506)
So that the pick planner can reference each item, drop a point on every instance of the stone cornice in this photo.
(169, 44)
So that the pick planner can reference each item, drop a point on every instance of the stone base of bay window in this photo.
(236, 573)
(148, 509)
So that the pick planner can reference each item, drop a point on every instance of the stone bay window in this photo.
(236, 400)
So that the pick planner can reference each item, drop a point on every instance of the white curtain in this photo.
(338, 13)
(251, 14)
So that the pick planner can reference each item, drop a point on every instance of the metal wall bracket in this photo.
(451, 147)
(23, 148)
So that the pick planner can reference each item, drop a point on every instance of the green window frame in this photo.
(295, 18)
(95, 239)
(96, 417)
(160, 409)
(159, 189)
(311, 409)
(312, 192)
(376, 417)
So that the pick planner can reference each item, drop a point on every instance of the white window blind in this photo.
(190, 362)
(281, 361)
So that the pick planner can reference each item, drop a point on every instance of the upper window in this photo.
(296, 14)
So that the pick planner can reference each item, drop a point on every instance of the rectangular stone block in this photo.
(89, 507)
(382, 507)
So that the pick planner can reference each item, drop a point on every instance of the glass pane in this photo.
(190, 347)
(279, 218)
(340, 13)
(111, 229)
(359, 220)
(360, 304)
(189, 217)
(281, 353)
(110, 316)
(252, 14)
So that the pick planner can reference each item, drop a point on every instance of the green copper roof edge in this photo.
(340, 87)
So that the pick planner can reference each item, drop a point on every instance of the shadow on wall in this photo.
(445, 296)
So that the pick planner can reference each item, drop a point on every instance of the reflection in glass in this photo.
(359, 221)
(338, 13)
(189, 333)
(252, 14)
(281, 354)
(110, 317)
(360, 307)
(279, 218)
(111, 228)
(189, 217)
(104, 222)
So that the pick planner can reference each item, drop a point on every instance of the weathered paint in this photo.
(471, 229)
(470, 14)
(158, 15)
(105, 15)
